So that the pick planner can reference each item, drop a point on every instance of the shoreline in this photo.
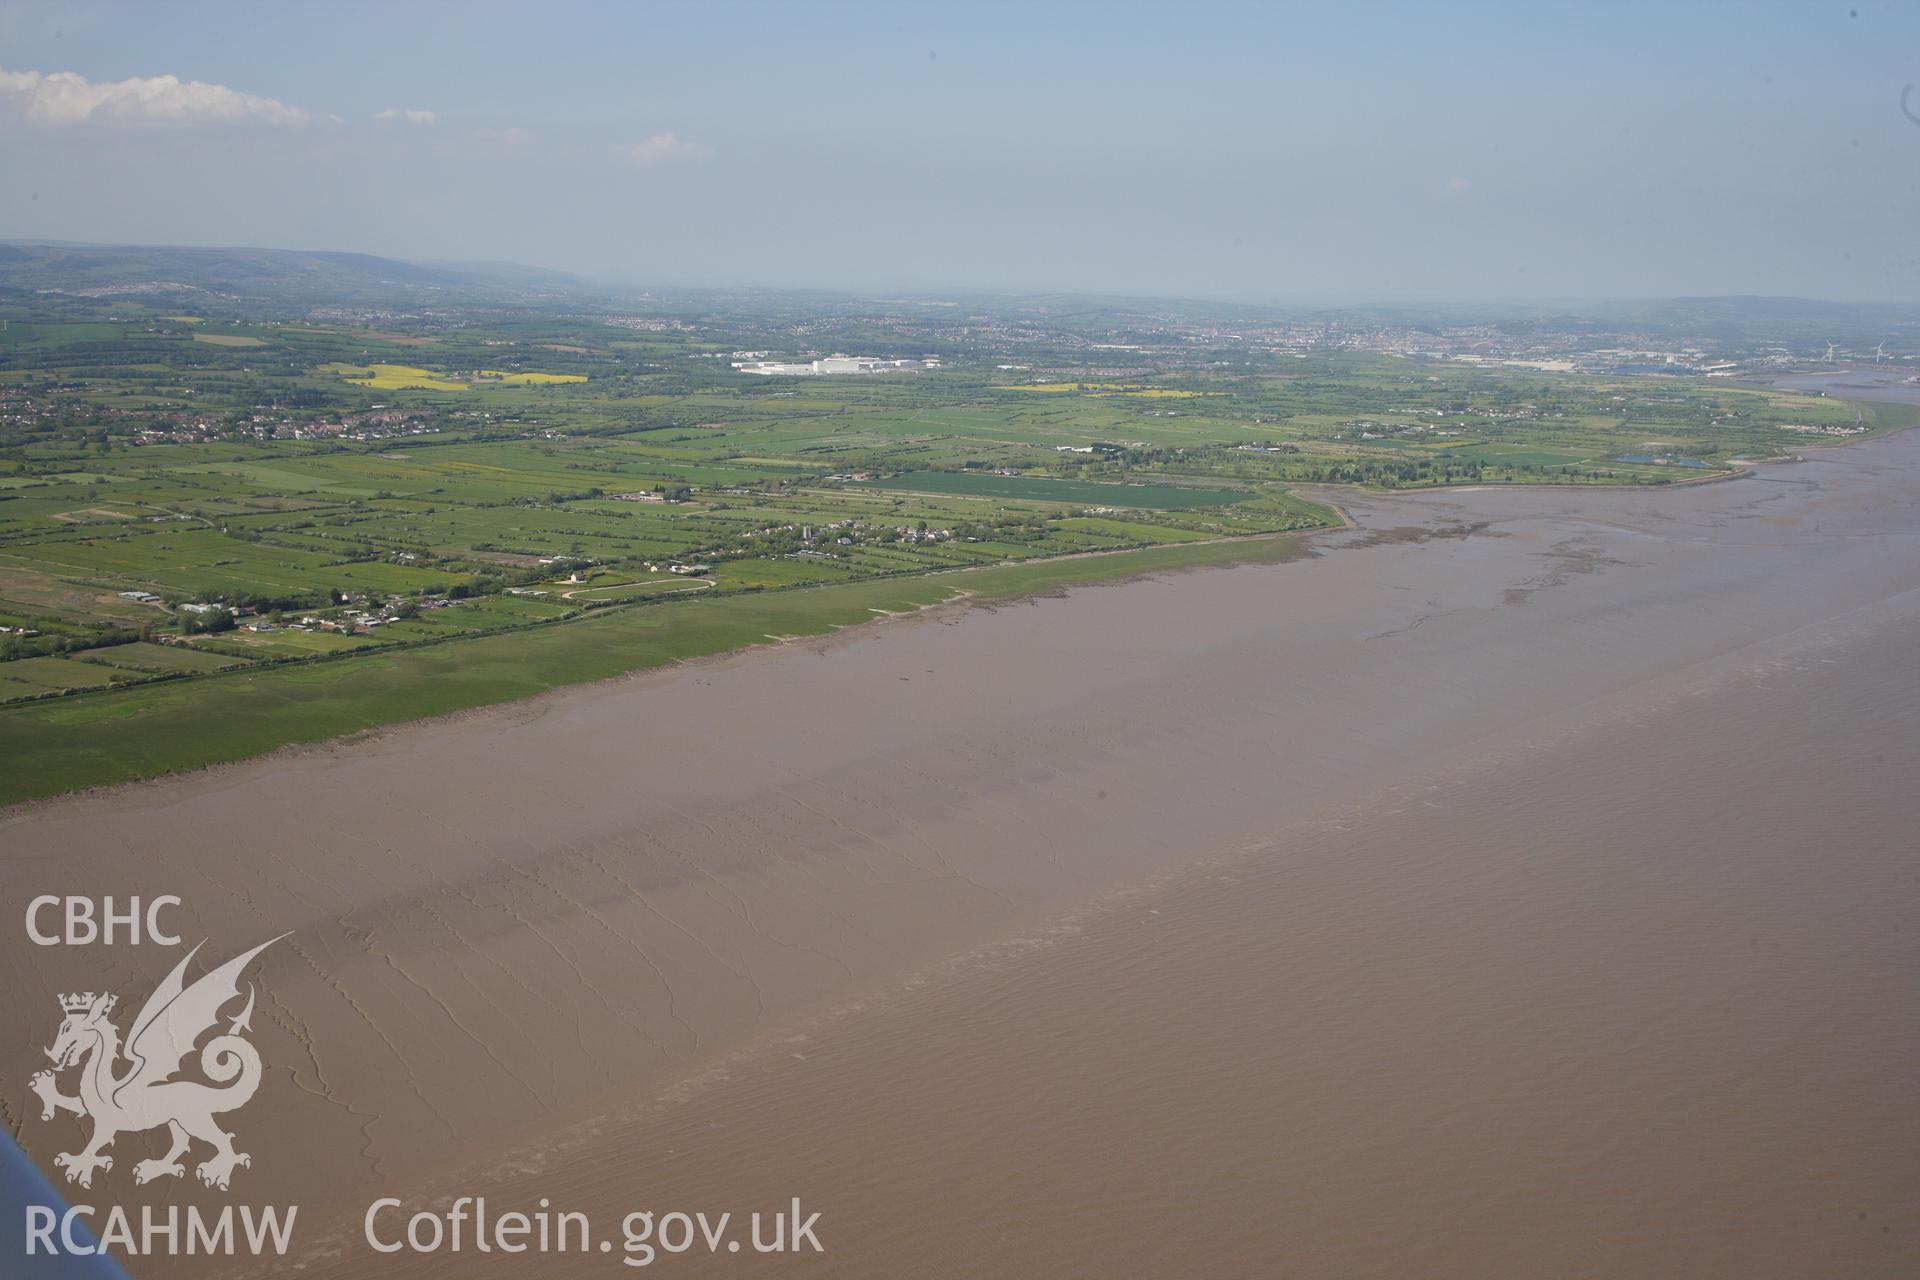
(1336, 500)
(953, 600)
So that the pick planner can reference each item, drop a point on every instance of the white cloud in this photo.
(660, 147)
(66, 97)
(408, 115)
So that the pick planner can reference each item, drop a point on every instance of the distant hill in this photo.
(513, 273)
(246, 283)
(279, 275)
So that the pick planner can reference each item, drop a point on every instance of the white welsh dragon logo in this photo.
(145, 1095)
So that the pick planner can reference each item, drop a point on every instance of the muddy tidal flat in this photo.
(1523, 883)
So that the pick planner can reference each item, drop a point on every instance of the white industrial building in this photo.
(836, 363)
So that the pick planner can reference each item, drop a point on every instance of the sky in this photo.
(1358, 152)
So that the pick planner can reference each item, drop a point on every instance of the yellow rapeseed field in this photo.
(395, 377)
(532, 379)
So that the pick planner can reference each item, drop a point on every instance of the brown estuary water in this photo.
(1524, 883)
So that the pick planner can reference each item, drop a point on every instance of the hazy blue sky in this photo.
(1337, 150)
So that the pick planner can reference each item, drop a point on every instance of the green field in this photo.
(1162, 497)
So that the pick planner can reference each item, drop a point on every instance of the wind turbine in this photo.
(1880, 353)
(1829, 353)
